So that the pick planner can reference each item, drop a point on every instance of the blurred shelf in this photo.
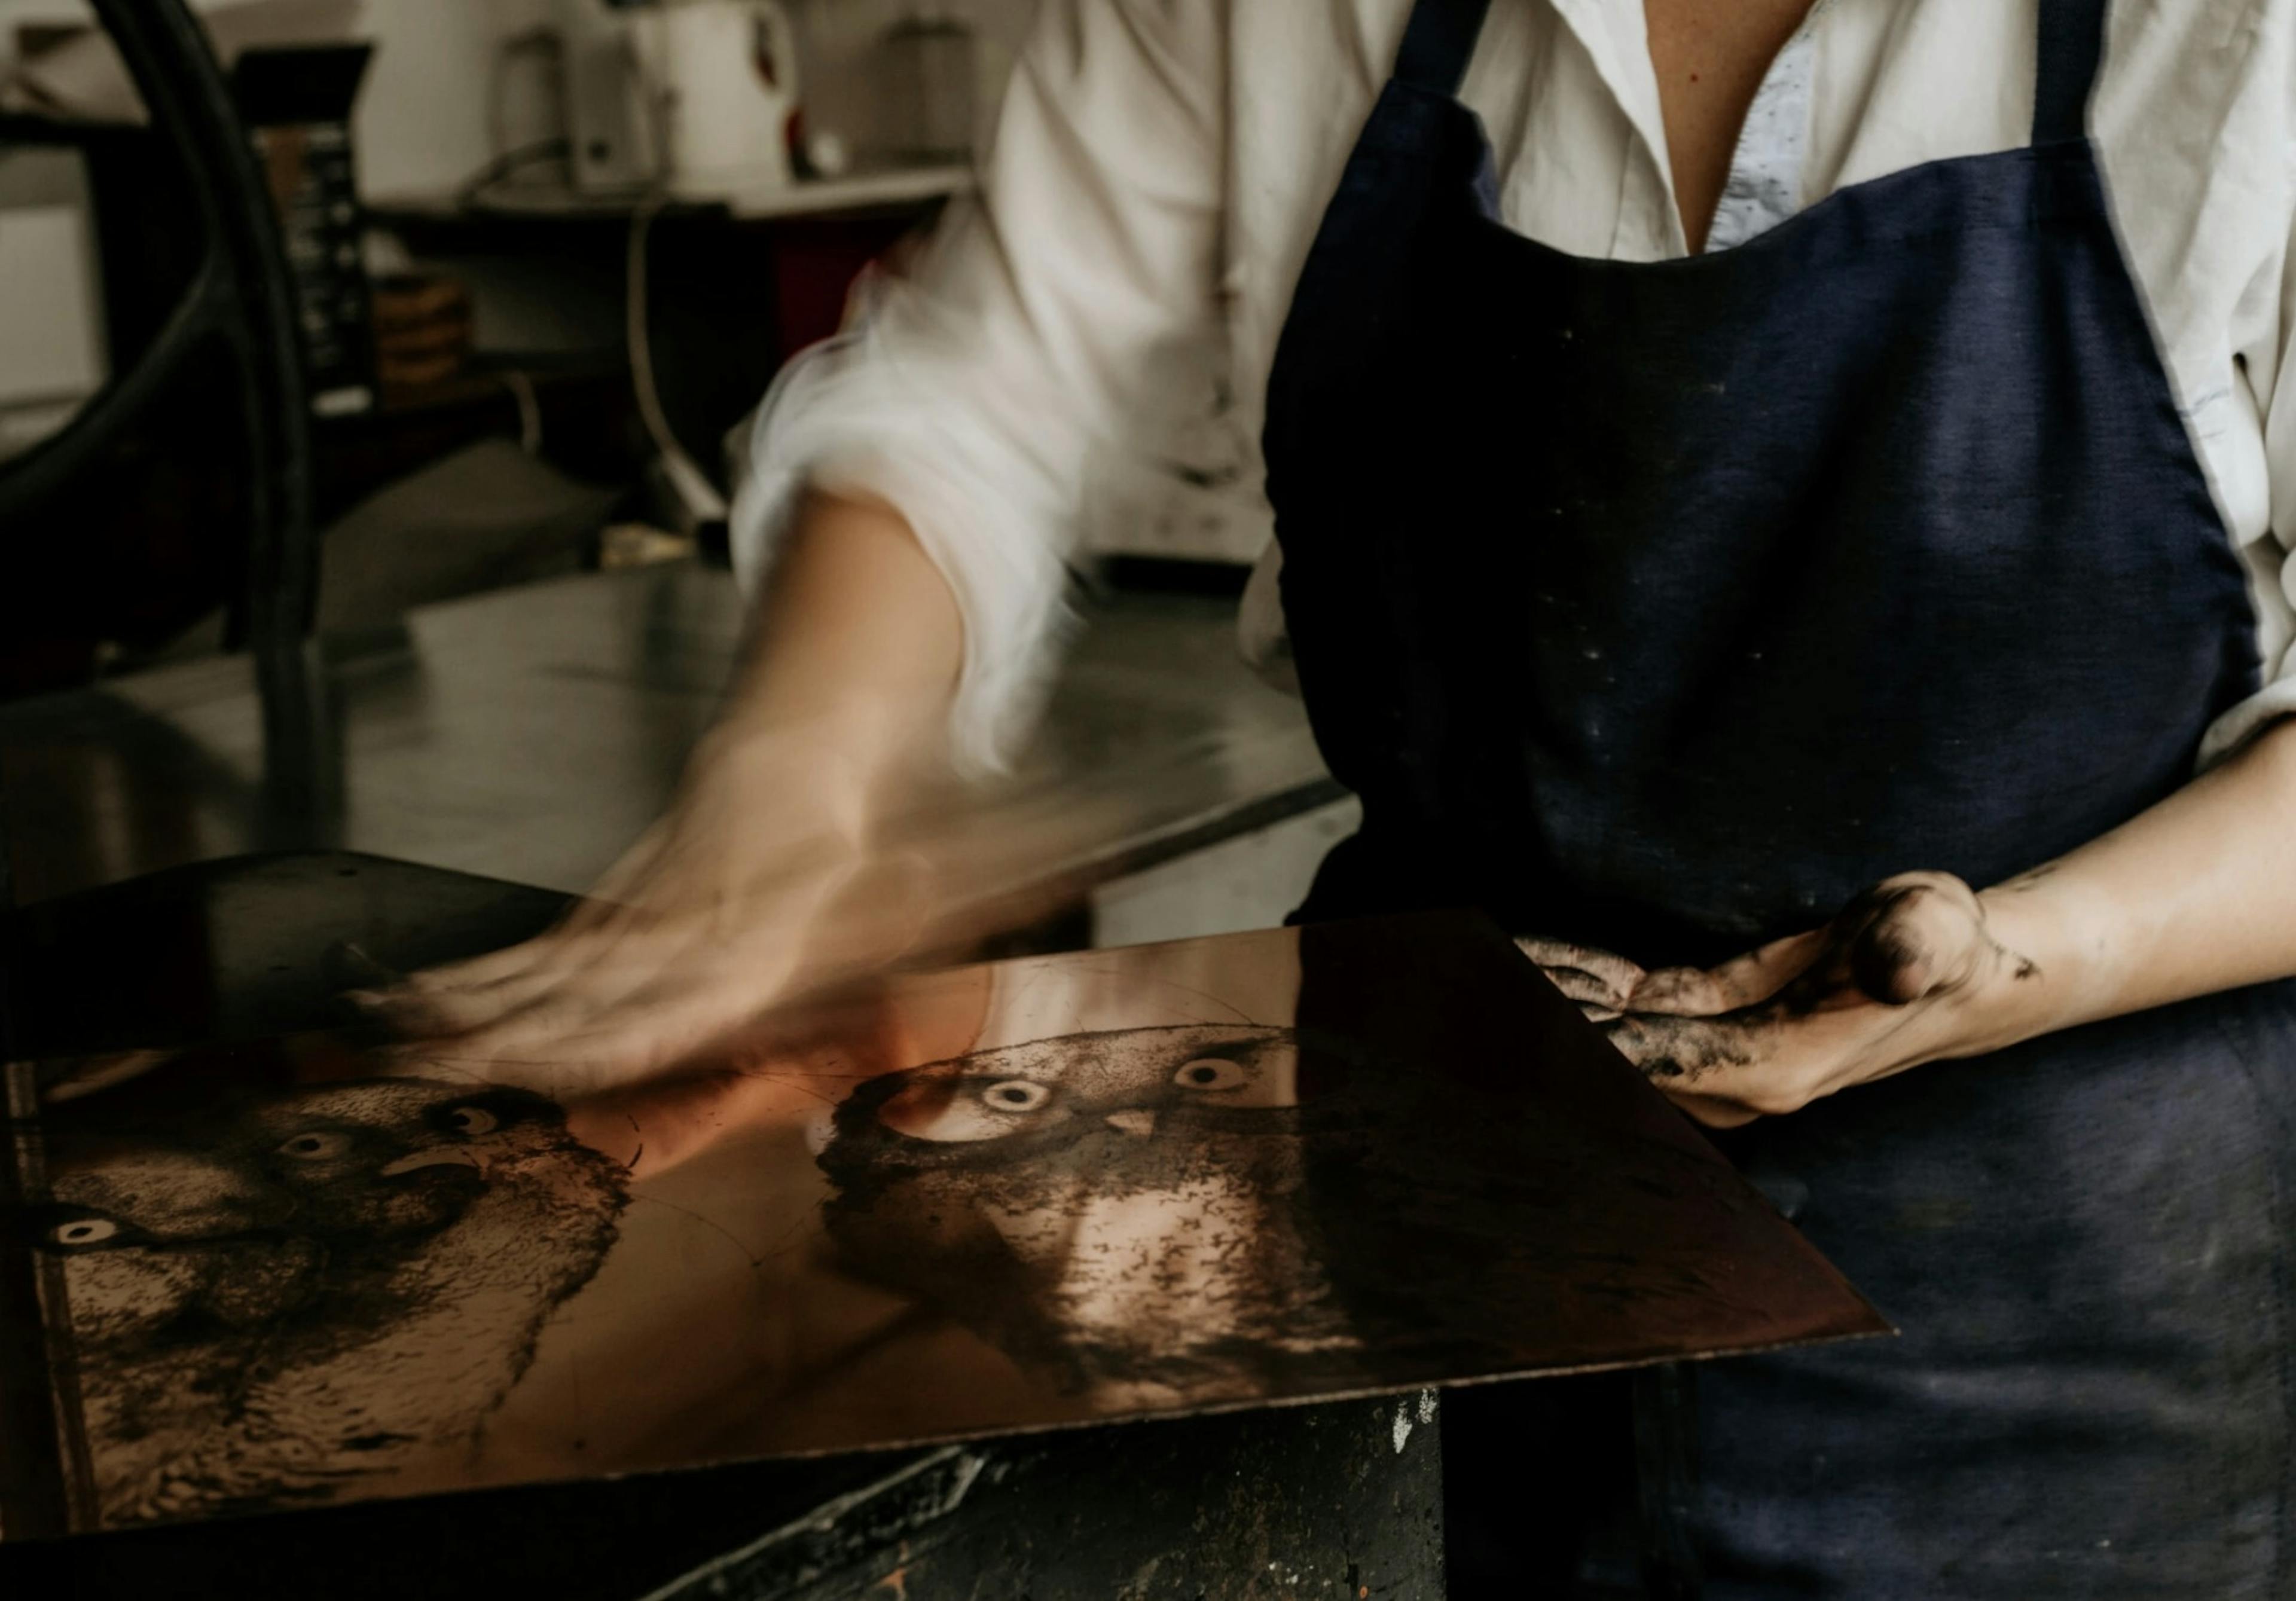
(891, 188)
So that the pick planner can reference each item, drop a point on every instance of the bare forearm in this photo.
(764, 876)
(2196, 895)
(858, 648)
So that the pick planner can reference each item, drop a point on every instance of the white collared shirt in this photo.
(1161, 167)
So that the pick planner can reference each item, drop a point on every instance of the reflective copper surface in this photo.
(1224, 1173)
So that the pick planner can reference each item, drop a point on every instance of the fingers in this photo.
(468, 995)
(1594, 975)
(480, 971)
(1742, 982)
(1597, 999)
(569, 1044)
(520, 1018)
(1723, 1072)
(1770, 1031)
(451, 1000)
(1682, 1052)
(462, 994)
(629, 997)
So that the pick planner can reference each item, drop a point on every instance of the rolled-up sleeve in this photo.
(974, 390)
(2269, 366)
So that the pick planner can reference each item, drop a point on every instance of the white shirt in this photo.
(1161, 167)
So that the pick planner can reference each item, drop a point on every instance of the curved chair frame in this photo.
(241, 295)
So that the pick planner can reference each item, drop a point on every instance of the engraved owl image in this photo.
(1116, 1210)
(274, 1298)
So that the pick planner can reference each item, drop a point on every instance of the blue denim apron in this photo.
(1663, 606)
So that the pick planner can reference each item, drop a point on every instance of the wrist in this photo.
(781, 785)
(2061, 959)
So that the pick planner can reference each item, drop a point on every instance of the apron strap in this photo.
(2072, 45)
(1440, 43)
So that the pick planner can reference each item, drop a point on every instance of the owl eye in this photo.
(316, 1146)
(472, 1121)
(1016, 1095)
(1209, 1072)
(83, 1231)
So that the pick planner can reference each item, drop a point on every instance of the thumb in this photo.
(1916, 936)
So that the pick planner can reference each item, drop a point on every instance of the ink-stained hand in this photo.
(1912, 970)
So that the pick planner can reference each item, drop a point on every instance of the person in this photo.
(1786, 505)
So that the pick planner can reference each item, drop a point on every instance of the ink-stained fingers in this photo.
(1740, 982)
(1819, 1012)
(1597, 1001)
(1584, 987)
(1682, 1052)
(1680, 991)
(1618, 975)
(1675, 1055)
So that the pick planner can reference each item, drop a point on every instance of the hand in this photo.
(1914, 969)
(755, 887)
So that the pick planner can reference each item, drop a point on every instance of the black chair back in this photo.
(241, 299)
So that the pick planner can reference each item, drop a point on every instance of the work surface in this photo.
(1285, 1166)
(529, 735)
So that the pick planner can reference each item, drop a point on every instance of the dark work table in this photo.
(530, 733)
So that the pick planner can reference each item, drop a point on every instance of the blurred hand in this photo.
(754, 888)
(769, 878)
(1910, 971)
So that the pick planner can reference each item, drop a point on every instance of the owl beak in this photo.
(1139, 1123)
(445, 1157)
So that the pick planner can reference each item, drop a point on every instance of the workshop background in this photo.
(547, 257)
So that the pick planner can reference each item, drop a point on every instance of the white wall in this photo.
(423, 120)
(839, 36)
(12, 12)
(423, 115)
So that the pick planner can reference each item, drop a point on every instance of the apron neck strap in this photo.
(2072, 45)
(1440, 43)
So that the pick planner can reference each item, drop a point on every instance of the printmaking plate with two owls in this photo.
(1266, 1168)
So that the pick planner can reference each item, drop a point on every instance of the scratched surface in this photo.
(1227, 1173)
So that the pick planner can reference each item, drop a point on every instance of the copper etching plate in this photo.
(1229, 1172)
